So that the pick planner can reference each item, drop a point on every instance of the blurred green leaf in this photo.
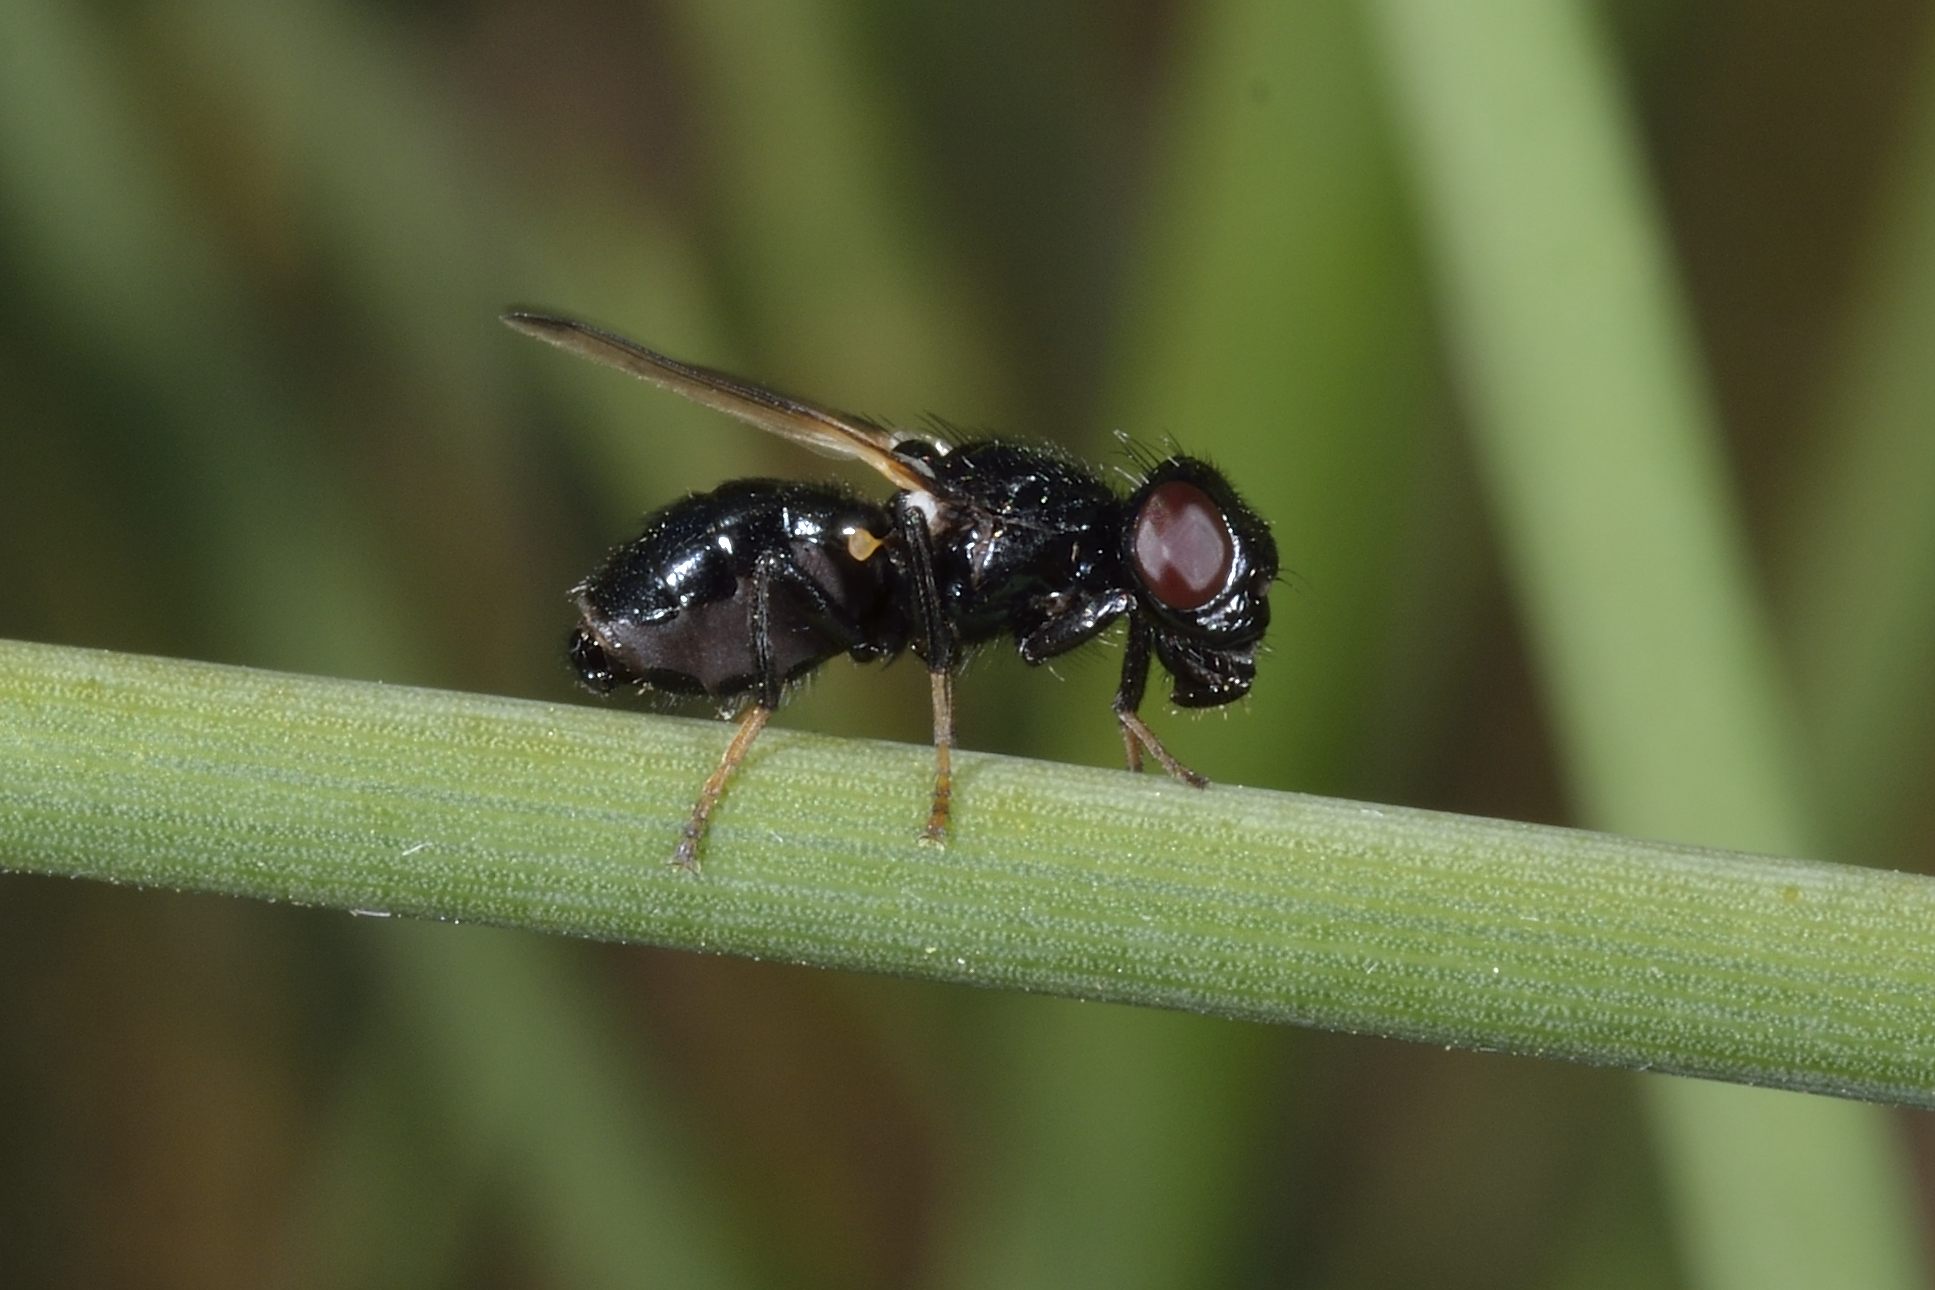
(1858, 545)
(145, 292)
(1605, 474)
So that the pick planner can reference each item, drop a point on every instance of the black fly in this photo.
(743, 589)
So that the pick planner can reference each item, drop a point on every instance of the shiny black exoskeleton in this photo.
(743, 589)
(738, 591)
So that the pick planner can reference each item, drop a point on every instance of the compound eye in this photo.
(1183, 549)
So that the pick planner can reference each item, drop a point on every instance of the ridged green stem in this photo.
(1061, 879)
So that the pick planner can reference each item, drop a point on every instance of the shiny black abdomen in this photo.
(1039, 526)
(673, 609)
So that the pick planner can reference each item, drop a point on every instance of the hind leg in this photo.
(754, 720)
(766, 690)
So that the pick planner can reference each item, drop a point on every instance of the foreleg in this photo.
(1136, 735)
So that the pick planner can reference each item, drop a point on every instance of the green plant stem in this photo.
(1060, 879)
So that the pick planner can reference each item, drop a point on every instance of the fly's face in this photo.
(1202, 563)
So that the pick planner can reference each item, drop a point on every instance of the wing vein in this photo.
(834, 434)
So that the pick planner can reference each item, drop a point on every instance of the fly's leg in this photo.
(1077, 623)
(1136, 735)
(937, 639)
(936, 830)
(754, 720)
(765, 699)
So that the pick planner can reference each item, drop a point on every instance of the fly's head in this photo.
(1201, 562)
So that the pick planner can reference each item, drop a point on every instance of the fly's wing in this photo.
(835, 434)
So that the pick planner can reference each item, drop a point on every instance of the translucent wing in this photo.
(835, 434)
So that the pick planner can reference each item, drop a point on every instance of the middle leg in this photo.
(938, 650)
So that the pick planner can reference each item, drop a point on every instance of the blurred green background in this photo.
(258, 409)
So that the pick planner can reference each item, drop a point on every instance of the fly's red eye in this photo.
(1183, 548)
